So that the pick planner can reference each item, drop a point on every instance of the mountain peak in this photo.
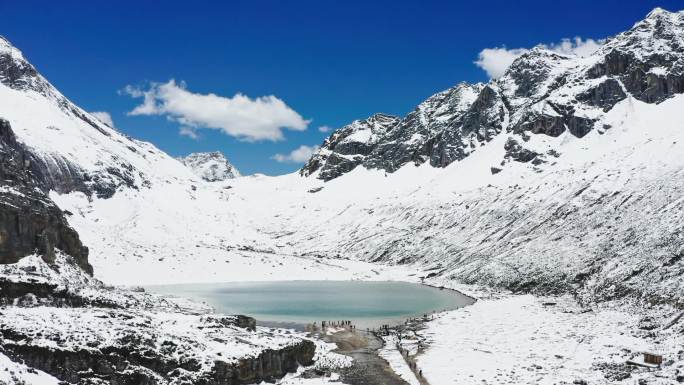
(6, 46)
(210, 166)
(381, 116)
(658, 15)
(660, 33)
(657, 12)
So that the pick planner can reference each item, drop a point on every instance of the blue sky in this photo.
(330, 62)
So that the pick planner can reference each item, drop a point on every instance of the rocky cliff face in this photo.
(58, 319)
(210, 166)
(542, 93)
(29, 221)
(349, 146)
(140, 355)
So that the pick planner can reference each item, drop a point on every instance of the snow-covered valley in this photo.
(542, 195)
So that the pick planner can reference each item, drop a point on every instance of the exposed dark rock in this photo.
(268, 366)
(133, 363)
(435, 131)
(15, 74)
(29, 221)
(347, 147)
(605, 95)
(337, 165)
(540, 124)
(242, 321)
(554, 125)
(532, 69)
(480, 123)
(517, 152)
(636, 76)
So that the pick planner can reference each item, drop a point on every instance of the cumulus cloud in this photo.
(261, 118)
(325, 129)
(495, 61)
(299, 155)
(104, 117)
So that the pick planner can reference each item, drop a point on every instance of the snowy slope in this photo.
(210, 166)
(573, 206)
(14, 373)
(603, 220)
(563, 176)
(72, 149)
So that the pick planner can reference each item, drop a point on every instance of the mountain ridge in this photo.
(542, 92)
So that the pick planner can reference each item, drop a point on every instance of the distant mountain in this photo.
(210, 166)
(542, 93)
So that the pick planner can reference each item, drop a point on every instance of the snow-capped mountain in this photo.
(564, 176)
(348, 147)
(512, 174)
(70, 149)
(210, 166)
(51, 150)
(542, 92)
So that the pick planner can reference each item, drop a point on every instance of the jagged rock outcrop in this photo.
(440, 130)
(133, 364)
(347, 147)
(542, 93)
(58, 319)
(29, 221)
(140, 347)
(647, 59)
(210, 166)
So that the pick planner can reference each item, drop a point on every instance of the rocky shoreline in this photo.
(65, 328)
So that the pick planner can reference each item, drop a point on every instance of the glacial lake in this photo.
(297, 303)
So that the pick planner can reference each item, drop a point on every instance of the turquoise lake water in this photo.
(368, 304)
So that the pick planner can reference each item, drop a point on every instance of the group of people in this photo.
(411, 364)
(343, 323)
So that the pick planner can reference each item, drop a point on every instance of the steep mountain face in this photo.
(29, 221)
(542, 93)
(68, 149)
(210, 166)
(439, 130)
(349, 146)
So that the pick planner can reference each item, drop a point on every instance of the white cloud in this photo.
(189, 132)
(262, 118)
(495, 61)
(325, 129)
(104, 117)
(298, 155)
(577, 46)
